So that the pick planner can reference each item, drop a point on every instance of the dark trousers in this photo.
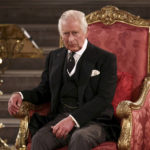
(84, 138)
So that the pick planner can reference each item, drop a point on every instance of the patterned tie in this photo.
(70, 62)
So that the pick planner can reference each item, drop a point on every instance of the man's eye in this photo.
(74, 33)
(66, 33)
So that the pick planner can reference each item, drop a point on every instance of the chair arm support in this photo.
(129, 113)
(26, 111)
(23, 132)
(124, 113)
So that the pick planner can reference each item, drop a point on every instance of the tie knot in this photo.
(71, 54)
(71, 61)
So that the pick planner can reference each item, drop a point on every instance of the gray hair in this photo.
(76, 15)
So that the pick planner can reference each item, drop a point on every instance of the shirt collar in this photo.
(81, 51)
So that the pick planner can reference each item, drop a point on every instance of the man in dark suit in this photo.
(79, 80)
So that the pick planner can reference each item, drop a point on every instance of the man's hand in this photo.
(62, 128)
(14, 103)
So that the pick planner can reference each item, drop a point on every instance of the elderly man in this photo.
(79, 80)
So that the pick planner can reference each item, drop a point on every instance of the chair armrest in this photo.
(135, 121)
(24, 109)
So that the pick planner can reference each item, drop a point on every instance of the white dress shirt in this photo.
(77, 56)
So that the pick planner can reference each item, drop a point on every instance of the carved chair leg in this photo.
(22, 134)
(124, 140)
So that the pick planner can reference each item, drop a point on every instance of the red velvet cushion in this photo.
(123, 89)
(106, 146)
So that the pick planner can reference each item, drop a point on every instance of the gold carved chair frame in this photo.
(107, 15)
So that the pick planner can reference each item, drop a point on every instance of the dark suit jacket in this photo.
(95, 93)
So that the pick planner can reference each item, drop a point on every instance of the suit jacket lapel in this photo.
(88, 63)
(56, 75)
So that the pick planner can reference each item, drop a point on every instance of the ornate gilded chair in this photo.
(127, 36)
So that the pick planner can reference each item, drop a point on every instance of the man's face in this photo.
(72, 35)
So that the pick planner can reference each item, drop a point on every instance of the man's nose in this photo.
(71, 37)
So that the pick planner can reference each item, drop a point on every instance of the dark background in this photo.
(48, 11)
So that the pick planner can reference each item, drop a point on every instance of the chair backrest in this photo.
(125, 35)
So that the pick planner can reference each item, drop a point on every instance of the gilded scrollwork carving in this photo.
(145, 89)
(23, 114)
(24, 109)
(22, 134)
(123, 109)
(3, 144)
(124, 112)
(111, 14)
(125, 137)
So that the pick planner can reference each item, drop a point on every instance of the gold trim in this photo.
(24, 109)
(148, 67)
(3, 144)
(110, 14)
(23, 114)
(22, 134)
(124, 112)
(15, 43)
(140, 102)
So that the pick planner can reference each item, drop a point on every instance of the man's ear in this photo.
(61, 43)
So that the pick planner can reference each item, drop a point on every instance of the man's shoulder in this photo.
(101, 52)
(57, 51)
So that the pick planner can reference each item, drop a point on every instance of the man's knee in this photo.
(91, 135)
(79, 135)
(44, 141)
(36, 139)
(80, 140)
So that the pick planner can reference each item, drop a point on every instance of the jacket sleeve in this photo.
(103, 98)
(41, 93)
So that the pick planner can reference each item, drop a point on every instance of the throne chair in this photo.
(128, 37)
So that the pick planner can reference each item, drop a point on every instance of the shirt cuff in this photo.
(76, 123)
(20, 94)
